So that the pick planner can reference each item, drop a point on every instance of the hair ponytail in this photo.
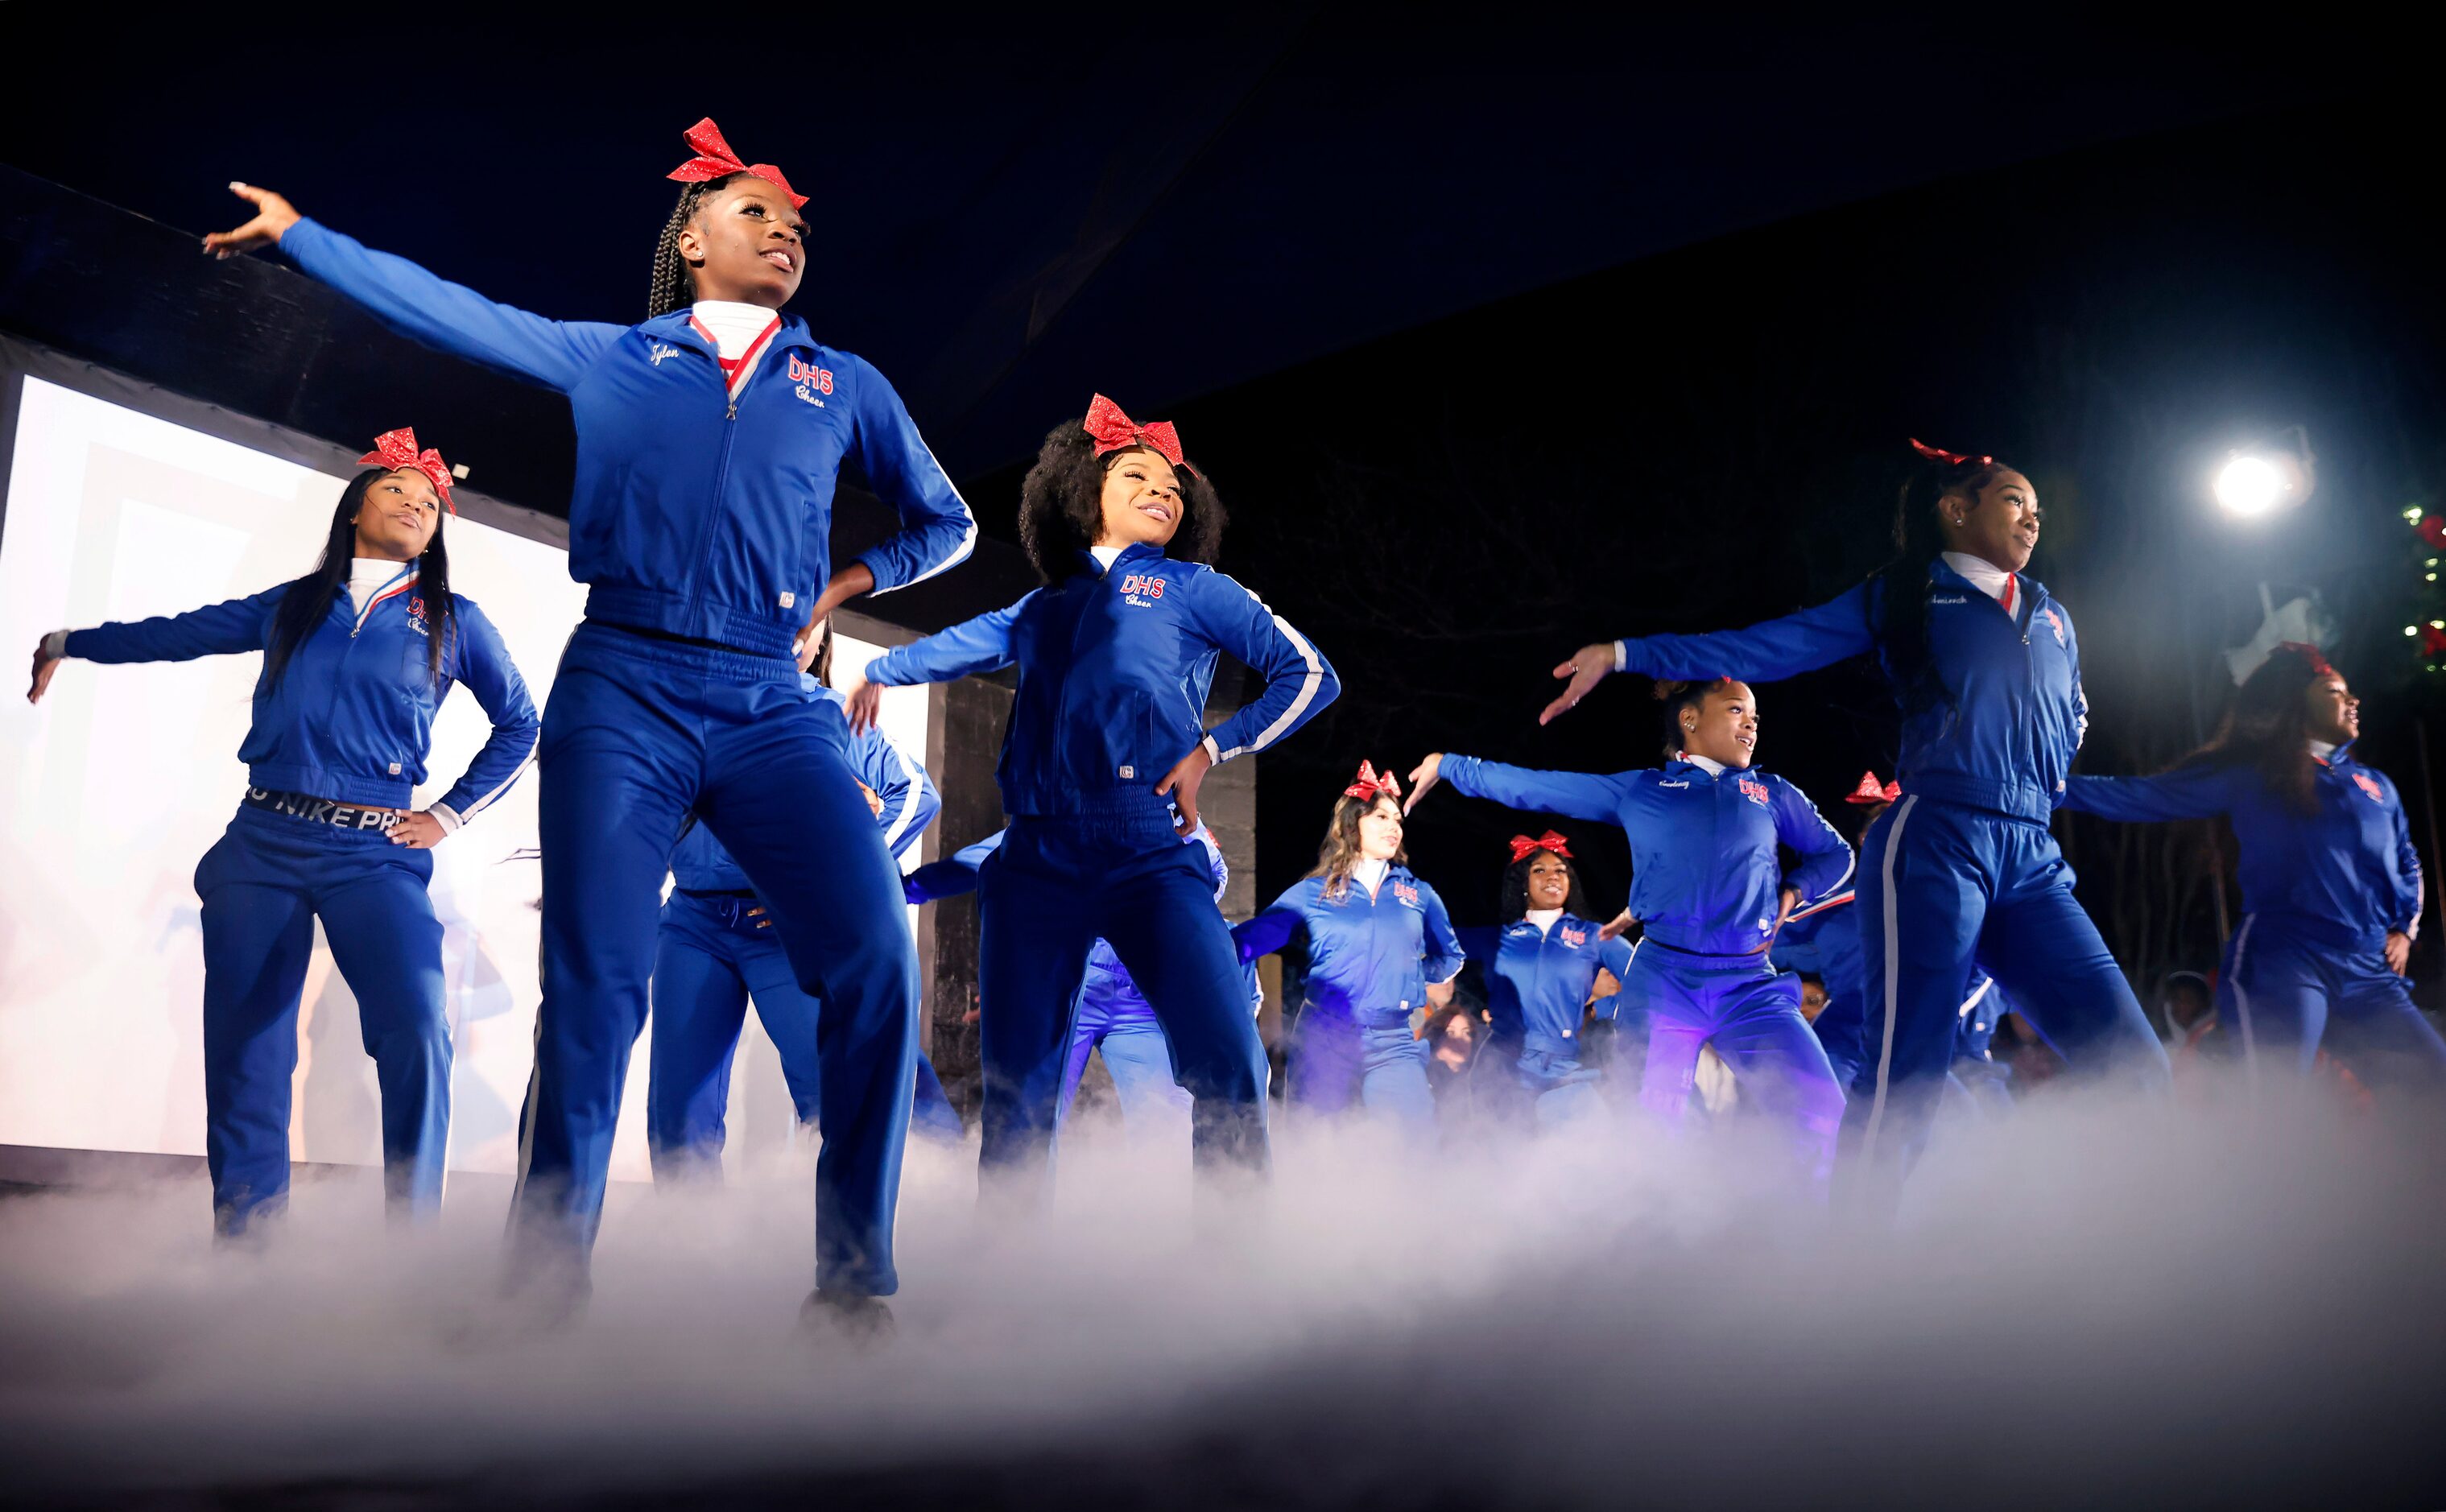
(1677, 697)
(1898, 590)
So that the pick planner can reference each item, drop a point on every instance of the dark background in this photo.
(1498, 339)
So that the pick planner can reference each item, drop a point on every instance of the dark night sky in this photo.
(1497, 342)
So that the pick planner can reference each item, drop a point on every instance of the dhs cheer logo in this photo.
(1141, 589)
(1574, 938)
(2367, 784)
(415, 620)
(1754, 790)
(2054, 624)
(808, 380)
(1407, 892)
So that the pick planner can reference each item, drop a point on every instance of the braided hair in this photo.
(674, 288)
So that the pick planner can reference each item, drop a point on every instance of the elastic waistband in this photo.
(2021, 800)
(321, 810)
(716, 892)
(1370, 1018)
(659, 648)
(749, 633)
(1716, 958)
(1137, 820)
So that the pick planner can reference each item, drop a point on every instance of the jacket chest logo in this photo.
(1574, 938)
(808, 380)
(1404, 892)
(415, 620)
(1141, 589)
(2054, 624)
(2364, 781)
(1754, 790)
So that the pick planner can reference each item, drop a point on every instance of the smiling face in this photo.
(1550, 881)
(398, 516)
(745, 243)
(2000, 526)
(1141, 500)
(1724, 726)
(1379, 830)
(2334, 713)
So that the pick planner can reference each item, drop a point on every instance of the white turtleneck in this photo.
(1368, 872)
(1544, 918)
(367, 576)
(735, 325)
(2321, 750)
(1705, 764)
(1105, 555)
(1982, 575)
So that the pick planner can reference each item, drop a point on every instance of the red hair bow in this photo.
(2320, 666)
(714, 159)
(1522, 845)
(1370, 787)
(396, 450)
(1112, 431)
(1871, 791)
(1955, 459)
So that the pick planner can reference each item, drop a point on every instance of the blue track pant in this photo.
(1944, 887)
(263, 884)
(1155, 1107)
(1338, 1060)
(2288, 997)
(714, 955)
(640, 733)
(1751, 1015)
(1053, 888)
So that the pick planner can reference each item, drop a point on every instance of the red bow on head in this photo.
(395, 449)
(1955, 459)
(714, 159)
(1871, 791)
(1522, 845)
(1370, 787)
(2320, 666)
(2433, 529)
(1112, 431)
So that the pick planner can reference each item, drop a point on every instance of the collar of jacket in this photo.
(1941, 575)
(1682, 764)
(1133, 553)
(2342, 753)
(679, 328)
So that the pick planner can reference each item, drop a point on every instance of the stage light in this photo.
(2275, 472)
(2250, 485)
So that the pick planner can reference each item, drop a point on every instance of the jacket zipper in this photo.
(713, 505)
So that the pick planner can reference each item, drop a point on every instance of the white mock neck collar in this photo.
(1980, 573)
(1368, 872)
(2322, 749)
(1105, 555)
(1705, 764)
(735, 325)
(1544, 918)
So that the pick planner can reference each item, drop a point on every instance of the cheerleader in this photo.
(1379, 947)
(1710, 892)
(1987, 671)
(709, 439)
(358, 656)
(1545, 965)
(717, 949)
(1824, 938)
(2331, 886)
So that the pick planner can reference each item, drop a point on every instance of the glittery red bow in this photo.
(1522, 845)
(2433, 529)
(1871, 791)
(1112, 431)
(2320, 666)
(714, 159)
(1370, 787)
(395, 449)
(1956, 458)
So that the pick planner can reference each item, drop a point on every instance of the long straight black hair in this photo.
(1897, 600)
(2269, 727)
(309, 598)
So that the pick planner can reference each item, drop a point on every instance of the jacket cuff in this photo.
(448, 816)
(1622, 656)
(55, 645)
(1214, 752)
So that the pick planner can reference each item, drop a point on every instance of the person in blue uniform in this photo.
(709, 441)
(2331, 885)
(1824, 939)
(1987, 668)
(1540, 972)
(1978, 1083)
(1379, 947)
(718, 949)
(1100, 767)
(1710, 890)
(358, 656)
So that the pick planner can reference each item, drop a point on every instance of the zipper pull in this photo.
(733, 412)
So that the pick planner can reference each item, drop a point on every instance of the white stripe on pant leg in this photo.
(2242, 1004)
(1893, 974)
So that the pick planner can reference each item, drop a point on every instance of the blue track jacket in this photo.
(700, 864)
(352, 718)
(1366, 956)
(1114, 668)
(1537, 981)
(1992, 724)
(1704, 874)
(693, 514)
(2344, 875)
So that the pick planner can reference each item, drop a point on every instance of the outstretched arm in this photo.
(1273, 928)
(966, 649)
(216, 629)
(1577, 794)
(2187, 792)
(1762, 652)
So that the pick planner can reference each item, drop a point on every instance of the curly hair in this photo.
(673, 286)
(1339, 851)
(1677, 697)
(1062, 504)
(1516, 889)
(2269, 727)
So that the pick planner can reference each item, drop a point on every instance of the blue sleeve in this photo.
(1763, 653)
(1826, 858)
(972, 646)
(1445, 957)
(448, 317)
(2408, 881)
(1615, 955)
(483, 666)
(1575, 795)
(1299, 681)
(2187, 792)
(216, 629)
(937, 532)
(1273, 928)
(909, 801)
(2079, 696)
(954, 875)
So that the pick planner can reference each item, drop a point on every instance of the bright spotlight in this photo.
(2251, 485)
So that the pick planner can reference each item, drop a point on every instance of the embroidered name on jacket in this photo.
(1139, 588)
